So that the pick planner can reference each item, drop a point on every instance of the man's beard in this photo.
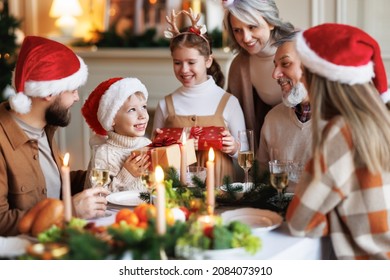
(296, 95)
(56, 115)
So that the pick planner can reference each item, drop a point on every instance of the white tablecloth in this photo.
(277, 244)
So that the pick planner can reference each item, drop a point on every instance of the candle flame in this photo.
(211, 154)
(66, 159)
(159, 174)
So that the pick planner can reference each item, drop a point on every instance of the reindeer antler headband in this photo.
(172, 30)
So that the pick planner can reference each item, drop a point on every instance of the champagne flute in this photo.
(279, 177)
(246, 153)
(100, 171)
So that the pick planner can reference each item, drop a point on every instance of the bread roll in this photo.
(27, 220)
(51, 214)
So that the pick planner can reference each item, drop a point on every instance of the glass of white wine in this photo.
(100, 171)
(246, 153)
(279, 177)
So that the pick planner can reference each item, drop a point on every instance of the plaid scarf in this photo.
(303, 112)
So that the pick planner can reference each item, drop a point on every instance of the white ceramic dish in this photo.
(125, 198)
(258, 219)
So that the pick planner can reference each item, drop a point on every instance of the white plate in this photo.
(125, 198)
(258, 219)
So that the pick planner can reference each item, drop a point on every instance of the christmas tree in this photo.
(8, 46)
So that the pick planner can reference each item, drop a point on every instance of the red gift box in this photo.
(208, 137)
(171, 134)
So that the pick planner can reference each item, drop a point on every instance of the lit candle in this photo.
(183, 161)
(210, 198)
(160, 203)
(66, 197)
(206, 220)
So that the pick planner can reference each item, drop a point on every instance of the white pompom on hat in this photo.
(343, 53)
(102, 105)
(45, 67)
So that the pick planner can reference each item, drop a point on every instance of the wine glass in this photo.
(100, 171)
(246, 153)
(279, 171)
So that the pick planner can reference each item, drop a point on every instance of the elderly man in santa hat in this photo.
(46, 79)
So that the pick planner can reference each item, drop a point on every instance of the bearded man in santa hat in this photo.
(46, 78)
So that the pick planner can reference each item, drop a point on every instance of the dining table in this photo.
(277, 244)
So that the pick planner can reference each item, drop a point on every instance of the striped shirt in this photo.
(347, 202)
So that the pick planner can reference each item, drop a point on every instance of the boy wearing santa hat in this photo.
(117, 109)
(46, 79)
(344, 191)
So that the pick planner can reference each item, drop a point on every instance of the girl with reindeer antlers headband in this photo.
(201, 100)
(253, 25)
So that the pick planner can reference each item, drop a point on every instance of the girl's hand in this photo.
(137, 164)
(229, 144)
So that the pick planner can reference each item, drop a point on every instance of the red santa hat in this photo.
(343, 53)
(44, 68)
(102, 105)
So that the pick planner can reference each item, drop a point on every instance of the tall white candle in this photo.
(183, 160)
(210, 182)
(160, 203)
(66, 194)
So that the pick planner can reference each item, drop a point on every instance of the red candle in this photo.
(66, 194)
(160, 203)
(210, 182)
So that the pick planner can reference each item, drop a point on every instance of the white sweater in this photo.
(119, 149)
(202, 100)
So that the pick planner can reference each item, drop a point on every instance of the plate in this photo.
(258, 219)
(125, 198)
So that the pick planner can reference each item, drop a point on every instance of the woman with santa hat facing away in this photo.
(344, 191)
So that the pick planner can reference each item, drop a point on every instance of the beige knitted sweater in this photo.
(119, 149)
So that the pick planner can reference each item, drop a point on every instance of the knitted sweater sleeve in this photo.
(314, 199)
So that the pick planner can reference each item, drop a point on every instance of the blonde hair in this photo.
(362, 109)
